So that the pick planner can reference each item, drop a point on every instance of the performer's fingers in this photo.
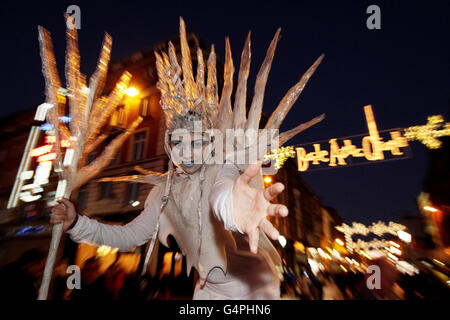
(251, 171)
(271, 192)
(253, 238)
(58, 209)
(57, 219)
(269, 229)
(277, 210)
(66, 202)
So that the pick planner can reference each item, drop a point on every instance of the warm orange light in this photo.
(267, 179)
(50, 139)
(430, 209)
(65, 143)
(339, 242)
(39, 151)
(47, 157)
(298, 246)
(131, 92)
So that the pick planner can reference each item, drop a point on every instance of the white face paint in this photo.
(187, 151)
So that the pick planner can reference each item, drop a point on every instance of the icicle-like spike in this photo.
(49, 70)
(98, 79)
(186, 62)
(285, 136)
(200, 79)
(91, 145)
(52, 86)
(111, 103)
(74, 82)
(88, 172)
(260, 85)
(211, 87)
(149, 177)
(225, 112)
(240, 99)
(291, 97)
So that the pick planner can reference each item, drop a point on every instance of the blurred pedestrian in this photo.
(19, 280)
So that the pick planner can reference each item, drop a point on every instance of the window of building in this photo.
(140, 139)
(121, 115)
(106, 190)
(133, 192)
(118, 117)
(144, 107)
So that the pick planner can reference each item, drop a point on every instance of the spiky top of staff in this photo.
(89, 112)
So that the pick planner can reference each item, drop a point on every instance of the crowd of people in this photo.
(351, 285)
(21, 279)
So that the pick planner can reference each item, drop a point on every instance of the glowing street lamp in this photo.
(131, 91)
(267, 179)
(430, 209)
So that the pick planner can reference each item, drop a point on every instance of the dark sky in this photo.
(402, 70)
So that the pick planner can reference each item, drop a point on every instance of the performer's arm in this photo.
(221, 196)
(241, 207)
(125, 237)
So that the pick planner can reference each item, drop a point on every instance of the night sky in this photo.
(402, 70)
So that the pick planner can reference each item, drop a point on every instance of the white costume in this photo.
(197, 208)
(249, 276)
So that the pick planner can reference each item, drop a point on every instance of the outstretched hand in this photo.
(252, 206)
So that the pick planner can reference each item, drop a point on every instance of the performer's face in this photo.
(188, 151)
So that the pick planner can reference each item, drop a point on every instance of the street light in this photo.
(131, 92)
(430, 209)
(267, 179)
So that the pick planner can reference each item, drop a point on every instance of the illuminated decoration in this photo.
(41, 111)
(31, 192)
(46, 127)
(65, 119)
(428, 133)
(407, 268)
(430, 209)
(379, 228)
(39, 151)
(282, 241)
(29, 230)
(404, 236)
(47, 157)
(298, 246)
(280, 155)
(25, 162)
(135, 203)
(372, 149)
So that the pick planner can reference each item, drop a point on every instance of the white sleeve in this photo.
(124, 237)
(221, 196)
